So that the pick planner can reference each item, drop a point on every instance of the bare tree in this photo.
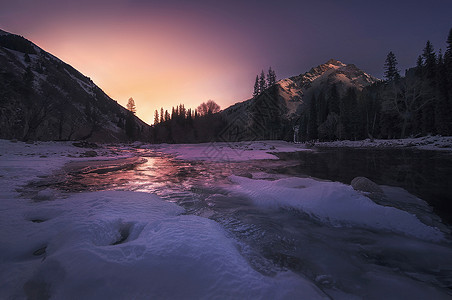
(208, 108)
(407, 97)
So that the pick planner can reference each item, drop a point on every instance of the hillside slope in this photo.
(43, 98)
(271, 115)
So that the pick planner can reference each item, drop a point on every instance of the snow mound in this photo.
(334, 203)
(128, 245)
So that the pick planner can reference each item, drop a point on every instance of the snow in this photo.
(332, 202)
(255, 150)
(116, 245)
(225, 151)
(132, 245)
(21, 162)
(164, 254)
(441, 143)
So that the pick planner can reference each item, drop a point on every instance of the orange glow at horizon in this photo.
(156, 64)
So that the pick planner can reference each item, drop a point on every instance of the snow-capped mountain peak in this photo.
(295, 89)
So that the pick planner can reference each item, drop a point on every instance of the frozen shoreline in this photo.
(255, 150)
(433, 143)
(122, 244)
(113, 244)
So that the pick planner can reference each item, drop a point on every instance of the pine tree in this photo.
(262, 83)
(312, 120)
(391, 72)
(271, 77)
(156, 117)
(131, 105)
(348, 113)
(449, 43)
(443, 119)
(428, 89)
(333, 100)
(419, 66)
(162, 115)
(256, 87)
(448, 65)
(430, 60)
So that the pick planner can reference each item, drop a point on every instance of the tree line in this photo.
(186, 125)
(417, 104)
(263, 82)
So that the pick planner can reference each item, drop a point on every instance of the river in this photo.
(344, 261)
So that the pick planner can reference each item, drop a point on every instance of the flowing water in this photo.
(345, 262)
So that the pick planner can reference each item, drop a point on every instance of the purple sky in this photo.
(167, 52)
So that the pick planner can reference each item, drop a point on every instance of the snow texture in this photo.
(442, 143)
(334, 203)
(116, 245)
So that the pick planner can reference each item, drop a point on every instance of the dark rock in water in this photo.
(40, 251)
(85, 144)
(366, 185)
(90, 153)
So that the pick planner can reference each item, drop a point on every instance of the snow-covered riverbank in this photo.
(259, 235)
(243, 151)
(112, 244)
(434, 143)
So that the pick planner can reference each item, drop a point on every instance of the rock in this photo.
(90, 153)
(364, 184)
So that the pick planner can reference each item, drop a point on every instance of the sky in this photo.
(163, 53)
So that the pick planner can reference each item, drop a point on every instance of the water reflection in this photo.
(344, 262)
(425, 174)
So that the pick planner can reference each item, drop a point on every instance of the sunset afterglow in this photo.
(166, 53)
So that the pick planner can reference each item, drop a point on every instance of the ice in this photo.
(128, 245)
(332, 202)
(224, 151)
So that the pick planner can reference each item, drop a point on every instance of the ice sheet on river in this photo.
(332, 202)
(128, 245)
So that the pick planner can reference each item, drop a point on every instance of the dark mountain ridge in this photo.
(43, 98)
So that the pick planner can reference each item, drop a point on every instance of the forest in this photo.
(416, 104)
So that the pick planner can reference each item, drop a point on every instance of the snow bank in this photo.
(332, 202)
(21, 162)
(443, 143)
(243, 151)
(225, 151)
(127, 245)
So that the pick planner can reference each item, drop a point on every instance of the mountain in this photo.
(43, 98)
(295, 90)
(272, 114)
